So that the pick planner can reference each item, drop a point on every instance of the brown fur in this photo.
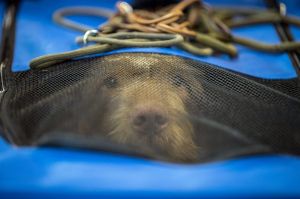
(167, 90)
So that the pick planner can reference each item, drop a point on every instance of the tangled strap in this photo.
(190, 25)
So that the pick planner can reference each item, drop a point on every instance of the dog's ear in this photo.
(152, 4)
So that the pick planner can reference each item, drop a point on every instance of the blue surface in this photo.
(31, 172)
(47, 172)
(38, 35)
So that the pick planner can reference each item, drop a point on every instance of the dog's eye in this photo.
(178, 81)
(110, 82)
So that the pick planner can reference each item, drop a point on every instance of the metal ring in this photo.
(87, 34)
(282, 9)
(124, 7)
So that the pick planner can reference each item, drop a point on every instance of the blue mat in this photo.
(47, 172)
(44, 173)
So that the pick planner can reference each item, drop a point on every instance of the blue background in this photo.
(47, 172)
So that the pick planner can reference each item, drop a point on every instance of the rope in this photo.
(108, 43)
(190, 25)
(59, 16)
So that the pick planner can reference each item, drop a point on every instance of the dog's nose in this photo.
(149, 121)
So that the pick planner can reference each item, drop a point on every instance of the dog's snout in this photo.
(149, 121)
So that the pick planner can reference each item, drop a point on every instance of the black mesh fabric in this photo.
(160, 106)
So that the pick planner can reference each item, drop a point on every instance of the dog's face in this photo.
(148, 106)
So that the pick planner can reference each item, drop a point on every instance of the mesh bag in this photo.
(158, 106)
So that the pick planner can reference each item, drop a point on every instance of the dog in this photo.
(144, 103)
(150, 106)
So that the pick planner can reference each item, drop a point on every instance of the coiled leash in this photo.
(190, 25)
